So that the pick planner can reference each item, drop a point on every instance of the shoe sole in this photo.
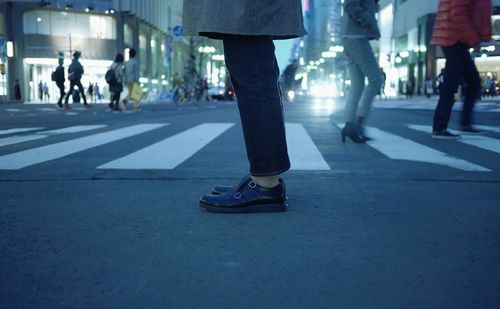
(472, 133)
(258, 208)
(444, 137)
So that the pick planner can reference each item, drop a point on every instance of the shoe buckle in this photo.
(237, 195)
(252, 184)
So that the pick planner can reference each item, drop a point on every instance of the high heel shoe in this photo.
(350, 130)
(361, 129)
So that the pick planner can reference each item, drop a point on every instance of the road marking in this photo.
(170, 152)
(44, 134)
(33, 156)
(73, 129)
(489, 128)
(19, 130)
(11, 140)
(304, 155)
(399, 148)
(482, 142)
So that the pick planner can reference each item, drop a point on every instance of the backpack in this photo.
(58, 75)
(110, 76)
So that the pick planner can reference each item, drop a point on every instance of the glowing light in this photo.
(404, 54)
(10, 49)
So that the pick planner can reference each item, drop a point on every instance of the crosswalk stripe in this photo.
(73, 129)
(37, 155)
(170, 152)
(482, 142)
(399, 148)
(18, 130)
(489, 128)
(304, 155)
(11, 140)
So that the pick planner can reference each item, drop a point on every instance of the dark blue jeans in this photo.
(254, 73)
(459, 67)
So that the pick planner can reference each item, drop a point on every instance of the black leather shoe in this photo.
(247, 197)
(220, 189)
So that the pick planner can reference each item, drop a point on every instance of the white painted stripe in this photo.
(489, 128)
(304, 155)
(11, 140)
(73, 129)
(19, 130)
(483, 142)
(170, 152)
(33, 156)
(44, 134)
(399, 148)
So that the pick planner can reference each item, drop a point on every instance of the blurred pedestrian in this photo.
(75, 73)
(17, 90)
(59, 79)
(90, 92)
(132, 75)
(359, 26)
(460, 25)
(46, 94)
(247, 36)
(115, 78)
(429, 87)
(40, 91)
(384, 79)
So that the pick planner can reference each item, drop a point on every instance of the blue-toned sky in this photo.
(283, 52)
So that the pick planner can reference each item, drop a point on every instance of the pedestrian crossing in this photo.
(177, 148)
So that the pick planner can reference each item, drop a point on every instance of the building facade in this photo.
(405, 50)
(34, 34)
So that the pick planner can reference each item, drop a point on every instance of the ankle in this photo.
(266, 181)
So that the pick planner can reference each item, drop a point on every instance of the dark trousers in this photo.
(80, 88)
(62, 93)
(115, 100)
(459, 67)
(254, 73)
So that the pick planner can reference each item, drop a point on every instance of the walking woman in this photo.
(359, 26)
(116, 82)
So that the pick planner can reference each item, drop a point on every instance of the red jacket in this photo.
(465, 21)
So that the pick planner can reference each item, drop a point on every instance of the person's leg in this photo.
(254, 73)
(357, 80)
(473, 81)
(70, 91)
(368, 64)
(61, 90)
(82, 92)
(253, 69)
(453, 72)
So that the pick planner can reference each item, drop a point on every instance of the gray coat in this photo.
(281, 19)
(359, 19)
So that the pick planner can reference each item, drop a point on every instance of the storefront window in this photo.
(496, 27)
(79, 25)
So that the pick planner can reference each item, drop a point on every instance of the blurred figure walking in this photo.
(75, 73)
(17, 90)
(359, 26)
(460, 25)
(132, 75)
(114, 77)
(59, 79)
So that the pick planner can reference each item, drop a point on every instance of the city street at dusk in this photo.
(100, 209)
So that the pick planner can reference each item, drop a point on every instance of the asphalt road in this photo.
(105, 214)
